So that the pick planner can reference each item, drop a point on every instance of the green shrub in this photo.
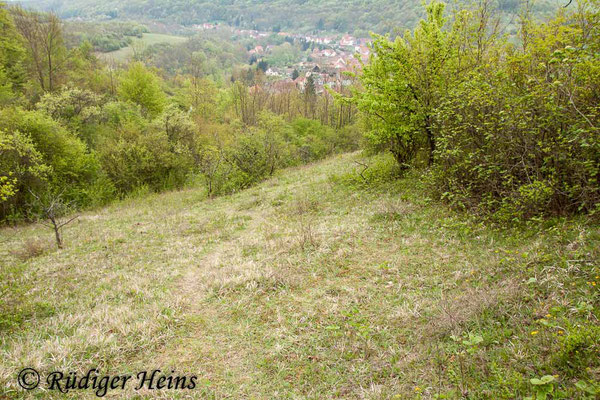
(372, 172)
(21, 169)
(230, 179)
(71, 168)
(579, 350)
(509, 130)
(313, 140)
(346, 139)
(256, 154)
(142, 87)
(132, 158)
(77, 109)
(504, 149)
(118, 114)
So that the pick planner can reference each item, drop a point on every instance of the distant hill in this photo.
(355, 16)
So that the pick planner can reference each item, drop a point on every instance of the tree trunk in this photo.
(57, 233)
(430, 139)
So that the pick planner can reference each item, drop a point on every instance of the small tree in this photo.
(52, 211)
(208, 162)
(408, 78)
(310, 96)
(262, 65)
(141, 86)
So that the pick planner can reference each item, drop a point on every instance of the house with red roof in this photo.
(347, 40)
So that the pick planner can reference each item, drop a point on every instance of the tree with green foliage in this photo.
(76, 108)
(320, 24)
(179, 127)
(408, 78)
(262, 65)
(404, 83)
(22, 169)
(12, 54)
(310, 95)
(140, 86)
(6, 89)
(207, 162)
(73, 168)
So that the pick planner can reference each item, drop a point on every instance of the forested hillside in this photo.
(360, 17)
(81, 132)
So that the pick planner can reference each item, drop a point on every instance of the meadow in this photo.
(148, 39)
(324, 281)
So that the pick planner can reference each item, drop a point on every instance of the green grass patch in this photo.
(148, 39)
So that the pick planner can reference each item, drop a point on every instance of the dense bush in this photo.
(12, 58)
(515, 152)
(142, 87)
(523, 140)
(21, 169)
(65, 158)
(79, 110)
(508, 129)
(137, 152)
(133, 158)
(313, 140)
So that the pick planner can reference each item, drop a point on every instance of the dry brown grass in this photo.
(31, 248)
(453, 313)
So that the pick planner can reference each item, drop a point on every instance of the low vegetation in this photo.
(317, 283)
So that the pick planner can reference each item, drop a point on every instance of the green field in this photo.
(148, 39)
(314, 284)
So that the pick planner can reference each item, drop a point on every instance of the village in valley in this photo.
(324, 62)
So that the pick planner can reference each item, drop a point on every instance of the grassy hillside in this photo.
(343, 16)
(318, 283)
(148, 39)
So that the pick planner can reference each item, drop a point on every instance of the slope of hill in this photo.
(317, 283)
(361, 17)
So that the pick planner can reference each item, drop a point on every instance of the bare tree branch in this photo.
(52, 208)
